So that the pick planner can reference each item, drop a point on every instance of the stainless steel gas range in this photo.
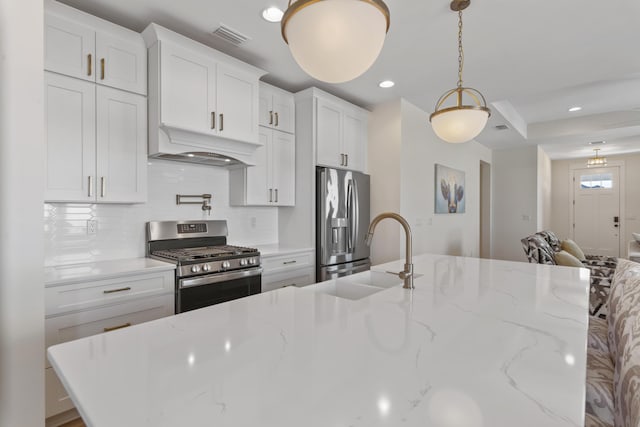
(208, 271)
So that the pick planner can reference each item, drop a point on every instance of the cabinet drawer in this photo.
(72, 326)
(57, 399)
(275, 264)
(80, 296)
(299, 278)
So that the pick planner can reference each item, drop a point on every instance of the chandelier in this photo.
(463, 121)
(596, 161)
(335, 40)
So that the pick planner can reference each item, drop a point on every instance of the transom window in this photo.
(596, 181)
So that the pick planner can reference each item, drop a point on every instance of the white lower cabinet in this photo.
(288, 269)
(79, 310)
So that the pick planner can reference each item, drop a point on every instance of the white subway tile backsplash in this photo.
(121, 228)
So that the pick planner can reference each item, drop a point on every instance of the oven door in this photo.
(202, 291)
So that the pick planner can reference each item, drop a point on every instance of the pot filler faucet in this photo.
(407, 274)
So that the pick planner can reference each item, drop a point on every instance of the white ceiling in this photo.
(531, 59)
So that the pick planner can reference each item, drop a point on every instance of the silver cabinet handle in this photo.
(276, 119)
(289, 262)
(213, 120)
(90, 194)
(341, 159)
(270, 117)
(221, 122)
(346, 160)
(101, 68)
(103, 186)
(111, 291)
(276, 196)
(89, 65)
(270, 195)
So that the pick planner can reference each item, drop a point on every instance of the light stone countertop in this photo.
(75, 273)
(477, 343)
(276, 249)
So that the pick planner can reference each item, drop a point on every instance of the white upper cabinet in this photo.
(70, 139)
(237, 103)
(271, 182)
(341, 132)
(86, 47)
(187, 90)
(121, 141)
(95, 142)
(277, 108)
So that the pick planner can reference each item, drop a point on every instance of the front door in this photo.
(596, 210)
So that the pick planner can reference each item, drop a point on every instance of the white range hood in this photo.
(203, 104)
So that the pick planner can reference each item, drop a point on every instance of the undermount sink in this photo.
(360, 285)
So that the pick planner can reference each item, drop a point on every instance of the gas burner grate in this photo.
(185, 254)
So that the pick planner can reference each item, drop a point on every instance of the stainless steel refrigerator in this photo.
(342, 221)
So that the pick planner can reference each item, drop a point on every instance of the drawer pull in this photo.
(113, 328)
(111, 291)
(288, 286)
(290, 262)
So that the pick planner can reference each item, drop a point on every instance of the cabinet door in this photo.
(283, 170)
(237, 104)
(284, 108)
(121, 146)
(69, 139)
(265, 106)
(354, 142)
(329, 134)
(121, 63)
(69, 48)
(188, 90)
(257, 177)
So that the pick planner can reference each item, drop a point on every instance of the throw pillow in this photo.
(566, 259)
(571, 247)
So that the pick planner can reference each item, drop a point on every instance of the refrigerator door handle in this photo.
(352, 214)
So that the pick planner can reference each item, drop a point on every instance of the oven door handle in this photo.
(219, 277)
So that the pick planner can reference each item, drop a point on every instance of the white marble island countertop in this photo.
(477, 343)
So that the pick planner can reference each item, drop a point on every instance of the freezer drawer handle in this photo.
(111, 291)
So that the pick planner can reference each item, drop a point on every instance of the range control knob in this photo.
(252, 261)
(225, 264)
(195, 269)
(206, 267)
(243, 262)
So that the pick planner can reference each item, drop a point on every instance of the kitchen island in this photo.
(476, 343)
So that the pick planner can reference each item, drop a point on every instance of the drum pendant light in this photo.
(335, 40)
(460, 122)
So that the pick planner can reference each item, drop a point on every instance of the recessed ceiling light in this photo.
(272, 14)
(574, 109)
(386, 84)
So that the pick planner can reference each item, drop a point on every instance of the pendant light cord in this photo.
(460, 50)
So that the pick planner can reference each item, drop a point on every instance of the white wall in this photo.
(544, 191)
(21, 195)
(515, 200)
(403, 151)
(561, 196)
(121, 228)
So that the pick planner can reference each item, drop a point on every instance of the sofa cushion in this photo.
(591, 421)
(597, 338)
(538, 250)
(551, 239)
(566, 259)
(571, 247)
(599, 390)
(625, 281)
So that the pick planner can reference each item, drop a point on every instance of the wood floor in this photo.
(74, 423)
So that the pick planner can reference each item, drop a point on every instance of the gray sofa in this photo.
(541, 248)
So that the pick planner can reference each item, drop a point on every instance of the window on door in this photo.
(597, 181)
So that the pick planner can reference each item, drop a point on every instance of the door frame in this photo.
(620, 164)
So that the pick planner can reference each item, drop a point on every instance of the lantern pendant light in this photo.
(460, 122)
(596, 161)
(335, 40)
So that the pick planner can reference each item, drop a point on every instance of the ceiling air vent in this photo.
(230, 35)
(502, 127)
(596, 142)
